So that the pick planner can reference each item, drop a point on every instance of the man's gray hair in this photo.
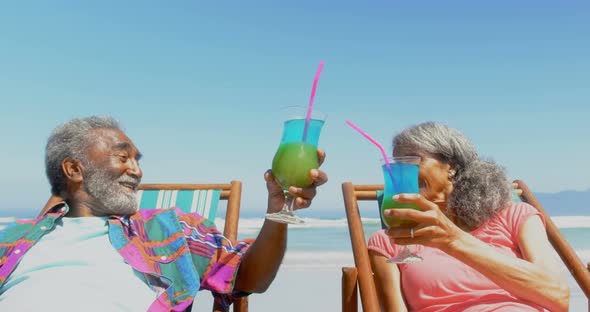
(480, 187)
(70, 140)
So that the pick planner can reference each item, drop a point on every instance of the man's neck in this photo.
(81, 206)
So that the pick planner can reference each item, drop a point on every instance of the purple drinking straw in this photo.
(387, 164)
(313, 88)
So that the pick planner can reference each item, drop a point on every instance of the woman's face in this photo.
(434, 176)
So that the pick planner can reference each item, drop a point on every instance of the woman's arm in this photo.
(536, 278)
(387, 282)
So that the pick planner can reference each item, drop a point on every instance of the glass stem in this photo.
(289, 202)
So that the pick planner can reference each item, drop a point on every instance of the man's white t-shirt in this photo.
(75, 265)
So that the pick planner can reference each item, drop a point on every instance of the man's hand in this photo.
(302, 196)
(262, 260)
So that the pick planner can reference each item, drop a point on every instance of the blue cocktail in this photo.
(400, 177)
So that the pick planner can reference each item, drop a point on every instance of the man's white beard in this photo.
(112, 198)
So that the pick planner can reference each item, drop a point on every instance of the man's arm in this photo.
(262, 260)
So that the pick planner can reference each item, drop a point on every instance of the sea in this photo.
(324, 243)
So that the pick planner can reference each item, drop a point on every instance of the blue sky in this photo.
(199, 85)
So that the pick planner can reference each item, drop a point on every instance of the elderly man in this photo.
(94, 251)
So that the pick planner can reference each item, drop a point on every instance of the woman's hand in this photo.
(302, 196)
(433, 229)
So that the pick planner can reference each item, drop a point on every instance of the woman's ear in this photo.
(452, 173)
(72, 170)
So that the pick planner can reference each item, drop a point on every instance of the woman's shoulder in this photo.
(381, 242)
(378, 236)
(515, 214)
(518, 210)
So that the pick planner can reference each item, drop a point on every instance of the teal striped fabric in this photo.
(203, 202)
(515, 197)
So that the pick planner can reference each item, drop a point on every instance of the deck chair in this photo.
(359, 279)
(202, 199)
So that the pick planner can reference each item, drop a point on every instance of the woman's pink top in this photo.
(443, 283)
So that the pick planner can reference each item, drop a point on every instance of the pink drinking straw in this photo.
(387, 164)
(315, 85)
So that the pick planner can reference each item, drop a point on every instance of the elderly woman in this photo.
(481, 251)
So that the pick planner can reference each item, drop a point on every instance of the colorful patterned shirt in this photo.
(178, 253)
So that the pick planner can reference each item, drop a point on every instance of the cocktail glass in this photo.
(295, 157)
(404, 180)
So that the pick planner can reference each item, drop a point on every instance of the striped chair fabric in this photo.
(203, 202)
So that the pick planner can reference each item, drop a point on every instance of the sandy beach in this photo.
(293, 290)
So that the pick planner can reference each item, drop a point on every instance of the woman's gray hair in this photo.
(480, 187)
(70, 140)
(439, 141)
(479, 193)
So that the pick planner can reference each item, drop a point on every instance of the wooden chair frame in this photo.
(360, 277)
(232, 193)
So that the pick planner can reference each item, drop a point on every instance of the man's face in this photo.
(113, 174)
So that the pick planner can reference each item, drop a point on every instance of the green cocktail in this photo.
(292, 163)
(389, 203)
